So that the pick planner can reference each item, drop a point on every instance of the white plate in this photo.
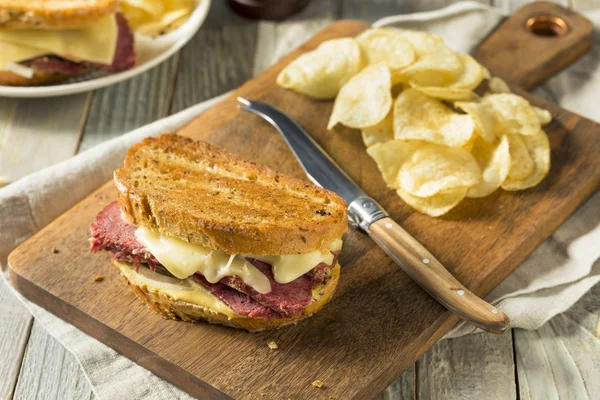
(149, 52)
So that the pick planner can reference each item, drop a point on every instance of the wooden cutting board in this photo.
(379, 321)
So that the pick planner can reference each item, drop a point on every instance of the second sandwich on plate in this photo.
(202, 234)
(52, 41)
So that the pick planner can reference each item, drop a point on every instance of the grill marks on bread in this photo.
(202, 194)
(53, 14)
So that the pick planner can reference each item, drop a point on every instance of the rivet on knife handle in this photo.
(429, 273)
(423, 267)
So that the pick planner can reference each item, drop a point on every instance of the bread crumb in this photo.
(239, 389)
(55, 250)
(272, 345)
(318, 384)
(98, 278)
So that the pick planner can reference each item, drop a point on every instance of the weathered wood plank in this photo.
(39, 133)
(560, 360)
(478, 366)
(15, 325)
(536, 379)
(404, 388)
(7, 109)
(219, 57)
(128, 105)
(49, 371)
(586, 312)
(372, 11)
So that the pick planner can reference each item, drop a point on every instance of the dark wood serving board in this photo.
(379, 321)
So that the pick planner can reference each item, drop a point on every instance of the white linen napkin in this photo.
(552, 279)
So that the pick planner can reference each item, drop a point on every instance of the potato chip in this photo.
(515, 113)
(322, 72)
(390, 156)
(422, 42)
(365, 99)
(152, 7)
(497, 85)
(521, 163)
(419, 117)
(436, 64)
(486, 73)
(462, 88)
(450, 93)
(387, 46)
(381, 132)
(472, 73)
(155, 17)
(494, 161)
(167, 22)
(440, 68)
(538, 148)
(469, 145)
(436, 205)
(436, 169)
(543, 115)
(483, 117)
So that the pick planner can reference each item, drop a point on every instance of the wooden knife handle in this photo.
(536, 42)
(429, 273)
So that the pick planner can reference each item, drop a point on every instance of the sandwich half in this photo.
(51, 40)
(201, 234)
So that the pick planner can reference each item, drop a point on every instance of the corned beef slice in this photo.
(289, 299)
(241, 303)
(124, 56)
(110, 232)
(124, 53)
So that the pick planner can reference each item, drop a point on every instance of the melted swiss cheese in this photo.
(289, 267)
(183, 259)
(181, 290)
(96, 43)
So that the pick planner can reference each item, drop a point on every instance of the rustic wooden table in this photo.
(559, 360)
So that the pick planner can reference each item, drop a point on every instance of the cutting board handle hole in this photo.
(547, 26)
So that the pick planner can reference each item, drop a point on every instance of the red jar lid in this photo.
(267, 9)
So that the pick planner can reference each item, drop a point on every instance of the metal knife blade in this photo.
(317, 164)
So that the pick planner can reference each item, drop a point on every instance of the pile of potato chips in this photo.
(437, 141)
(156, 17)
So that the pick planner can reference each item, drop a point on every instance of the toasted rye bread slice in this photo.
(199, 193)
(53, 14)
(8, 78)
(165, 305)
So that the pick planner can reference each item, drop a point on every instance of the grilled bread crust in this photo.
(53, 14)
(201, 194)
(8, 78)
(164, 305)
